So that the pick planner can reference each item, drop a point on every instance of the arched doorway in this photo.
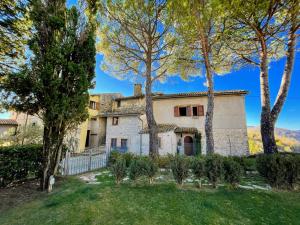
(188, 146)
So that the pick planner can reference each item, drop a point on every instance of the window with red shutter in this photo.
(176, 111)
(200, 110)
(189, 110)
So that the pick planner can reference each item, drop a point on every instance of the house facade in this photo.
(180, 119)
(119, 123)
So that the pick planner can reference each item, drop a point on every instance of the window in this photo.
(123, 143)
(115, 121)
(113, 143)
(93, 105)
(195, 111)
(182, 111)
(118, 103)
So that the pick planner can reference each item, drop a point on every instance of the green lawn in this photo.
(75, 202)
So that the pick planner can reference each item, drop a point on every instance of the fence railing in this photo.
(76, 163)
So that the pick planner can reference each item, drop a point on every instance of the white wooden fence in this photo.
(76, 163)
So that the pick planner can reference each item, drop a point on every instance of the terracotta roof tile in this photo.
(8, 122)
(162, 128)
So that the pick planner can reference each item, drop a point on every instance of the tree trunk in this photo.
(153, 137)
(266, 125)
(210, 94)
(52, 147)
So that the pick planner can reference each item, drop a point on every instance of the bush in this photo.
(118, 170)
(232, 171)
(150, 169)
(136, 169)
(279, 170)
(213, 168)
(180, 168)
(19, 162)
(198, 168)
(163, 162)
(114, 155)
(247, 163)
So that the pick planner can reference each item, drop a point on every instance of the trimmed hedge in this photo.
(19, 162)
(279, 170)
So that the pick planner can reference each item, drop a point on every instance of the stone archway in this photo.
(188, 146)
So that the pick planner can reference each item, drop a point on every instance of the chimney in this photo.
(137, 90)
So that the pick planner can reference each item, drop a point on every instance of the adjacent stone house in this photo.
(180, 118)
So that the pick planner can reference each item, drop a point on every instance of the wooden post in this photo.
(66, 166)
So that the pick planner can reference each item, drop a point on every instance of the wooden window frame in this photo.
(126, 141)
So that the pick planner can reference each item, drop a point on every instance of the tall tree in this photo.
(55, 84)
(200, 26)
(14, 28)
(134, 39)
(263, 31)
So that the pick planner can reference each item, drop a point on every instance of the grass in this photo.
(75, 202)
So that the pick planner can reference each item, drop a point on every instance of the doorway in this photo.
(188, 146)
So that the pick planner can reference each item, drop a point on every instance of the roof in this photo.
(128, 111)
(8, 122)
(187, 94)
(162, 128)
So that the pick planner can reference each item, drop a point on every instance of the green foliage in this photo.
(136, 169)
(214, 168)
(232, 171)
(19, 162)
(163, 162)
(279, 170)
(118, 170)
(180, 168)
(55, 81)
(14, 31)
(198, 167)
(150, 168)
(24, 135)
(114, 155)
(247, 163)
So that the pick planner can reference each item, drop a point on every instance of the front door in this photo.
(188, 146)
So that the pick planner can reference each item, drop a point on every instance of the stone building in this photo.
(180, 118)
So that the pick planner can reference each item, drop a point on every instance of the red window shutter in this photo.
(200, 110)
(189, 111)
(176, 111)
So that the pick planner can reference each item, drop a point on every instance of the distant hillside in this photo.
(287, 140)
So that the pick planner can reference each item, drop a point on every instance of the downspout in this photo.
(141, 137)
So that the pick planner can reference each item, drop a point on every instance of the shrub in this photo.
(232, 171)
(128, 156)
(198, 168)
(150, 169)
(19, 162)
(136, 169)
(114, 155)
(247, 163)
(279, 170)
(163, 162)
(118, 170)
(180, 168)
(213, 168)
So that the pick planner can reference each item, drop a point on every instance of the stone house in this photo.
(180, 118)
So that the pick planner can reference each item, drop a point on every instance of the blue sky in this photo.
(246, 79)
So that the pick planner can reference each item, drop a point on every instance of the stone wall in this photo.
(128, 128)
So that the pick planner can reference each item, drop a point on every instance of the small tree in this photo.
(180, 168)
(135, 169)
(232, 171)
(118, 170)
(150, 169)
(213, 168)
(198, 167)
